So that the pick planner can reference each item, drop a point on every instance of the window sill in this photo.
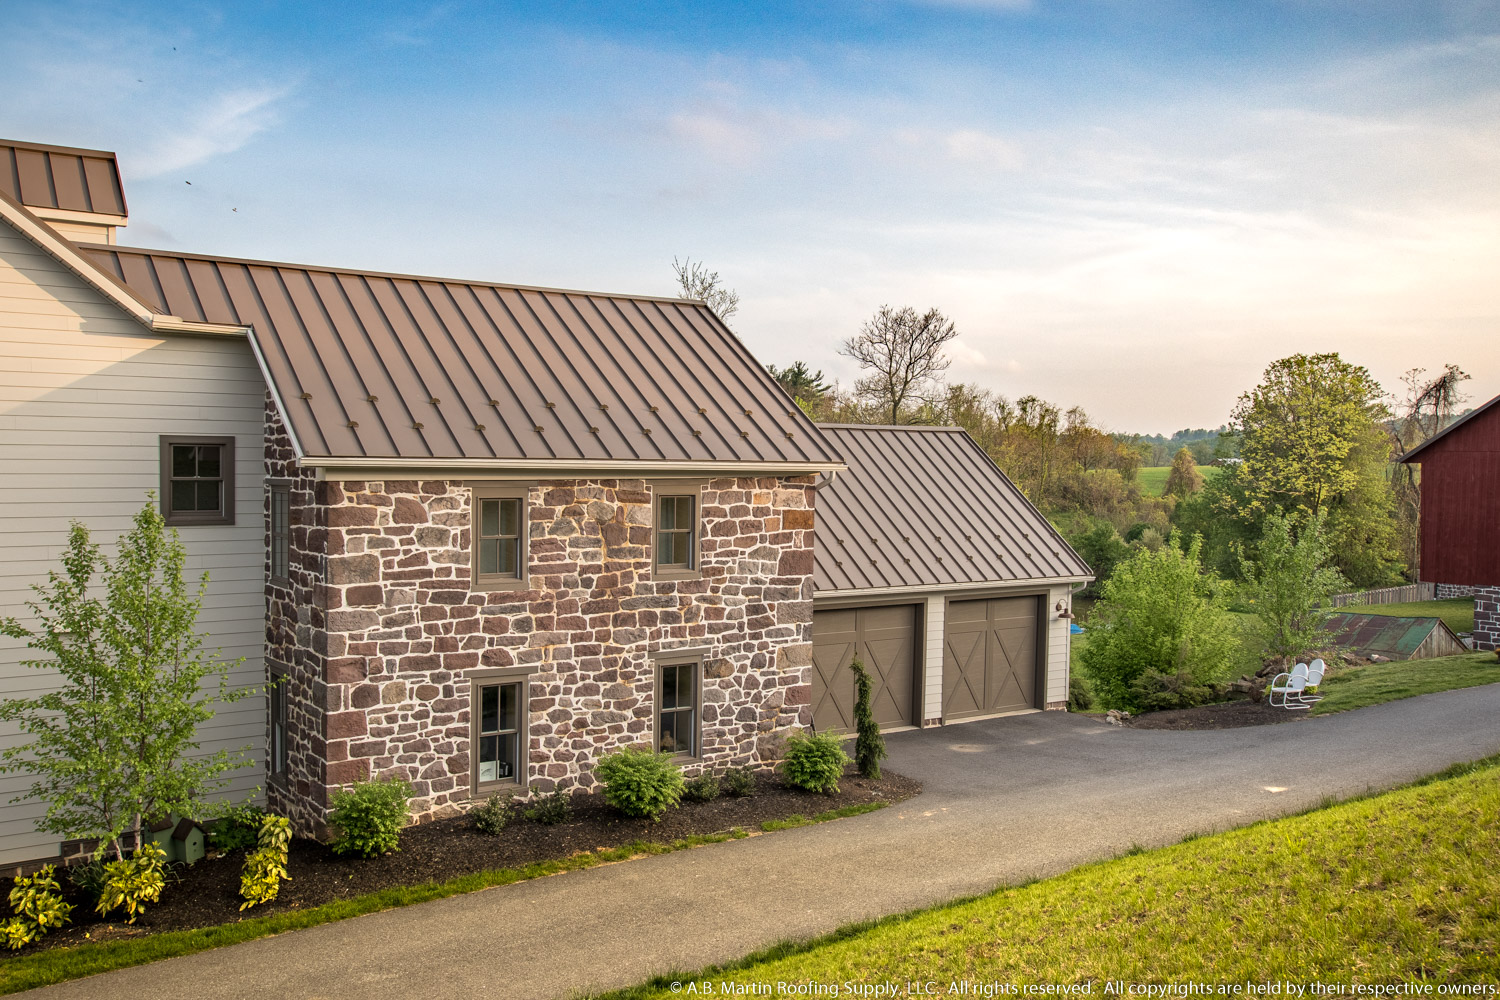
(489, 788)
(500, 584)
(674, 575)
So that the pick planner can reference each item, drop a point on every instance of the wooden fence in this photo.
(1388, 595)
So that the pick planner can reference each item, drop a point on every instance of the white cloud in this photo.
(222, 125)
(983, 149)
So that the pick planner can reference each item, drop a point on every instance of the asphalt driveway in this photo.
(1005, 800)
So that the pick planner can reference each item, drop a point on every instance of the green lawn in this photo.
(1378, 682)
(1392, 888)
(1456, 612)
(1153, 478)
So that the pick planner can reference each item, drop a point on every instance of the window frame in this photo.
(283, 543)
(226, 467)
(500, 581)
(276, 693)
(670, 488)
(676, 660)
(478, 680)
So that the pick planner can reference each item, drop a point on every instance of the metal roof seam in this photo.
(464, 346)
(588, 357)
(478, 421)
(488, 344)
(422, 338)
(642, 373)
(870, 519)
(572, 393)
(1020, 549)
(285, 357)
(275, 276)
(704, 350)
(410, 341)
(936, 513)
(647, 347)
(319, 287)
(873, 511)
(1051, 529)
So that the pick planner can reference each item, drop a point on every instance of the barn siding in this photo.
(1460, 525)
(84, 394)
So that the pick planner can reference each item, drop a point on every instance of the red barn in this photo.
(1461, 513)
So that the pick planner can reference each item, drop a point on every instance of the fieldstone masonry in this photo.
(378, 624)
(1444, 591)
(1487, 618)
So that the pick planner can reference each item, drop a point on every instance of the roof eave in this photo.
(329, 467)
(1461, 421)
(944, 588)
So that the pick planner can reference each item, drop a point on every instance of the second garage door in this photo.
(886, 640)
(989, 657)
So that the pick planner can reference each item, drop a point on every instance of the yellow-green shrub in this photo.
(265, 867)
(131, 883)
(38, 906)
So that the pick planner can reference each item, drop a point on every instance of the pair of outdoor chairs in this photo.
(1297, 688)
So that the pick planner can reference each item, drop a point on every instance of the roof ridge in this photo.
(369, 273)
(50, 148)
(931, 428)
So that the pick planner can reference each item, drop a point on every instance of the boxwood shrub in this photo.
(368, 817)
(640, 783)
(814, 763)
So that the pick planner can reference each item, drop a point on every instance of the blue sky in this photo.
(1128, 205)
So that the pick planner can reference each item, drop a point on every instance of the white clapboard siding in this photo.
(85, 392)
(1059, 645)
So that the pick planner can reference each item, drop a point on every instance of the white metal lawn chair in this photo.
(1290, 685)
(1315, 671)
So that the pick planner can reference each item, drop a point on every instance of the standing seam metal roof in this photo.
(927, 507)
(60, 177)
(388, 366)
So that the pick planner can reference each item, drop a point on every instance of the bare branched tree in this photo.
(903, 352)
(698, 282)
(1428, 407)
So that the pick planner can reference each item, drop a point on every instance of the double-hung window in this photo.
(281, 531)
(679, 706)
(197, 480)
(675, 542)
(499, 531)
(498, 731)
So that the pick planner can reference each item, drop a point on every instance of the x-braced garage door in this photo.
(886, 640)
(990, 661)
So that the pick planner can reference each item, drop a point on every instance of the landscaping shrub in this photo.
(237, 830)
(88, 878)
(550, 810)
(738, 782)
(869, 745)
(1157, 692)
(490, 818)
(38, 907)
(1160, 613)
(265, 867)
(369, 817)
(1288, 584)
(131, 883)
(640, 783)
(1080, 693)
(814, 763)
(704, 788)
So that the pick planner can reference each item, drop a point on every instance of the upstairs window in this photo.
(499, 538)
(197, 480)
(675, 542)
(281, 531)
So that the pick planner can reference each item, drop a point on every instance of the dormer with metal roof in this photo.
(76, 191)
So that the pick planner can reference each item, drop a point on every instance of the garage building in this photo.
(941, 576)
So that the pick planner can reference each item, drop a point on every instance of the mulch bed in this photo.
(207, 893)
(1226, 715)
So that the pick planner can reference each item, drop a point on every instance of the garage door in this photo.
(885, 639)
(989, 657)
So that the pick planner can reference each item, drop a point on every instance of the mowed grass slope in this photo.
(1456, 612)
(1153, 478)
(1359, 687)
(1399, 886)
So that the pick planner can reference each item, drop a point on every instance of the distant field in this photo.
(1153, 479)
(1456, 612)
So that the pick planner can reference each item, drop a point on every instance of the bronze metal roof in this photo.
(925, 507)
(62, 178)
(391, 367)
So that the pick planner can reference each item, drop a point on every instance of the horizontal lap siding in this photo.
(1059, 639)
(84, 394)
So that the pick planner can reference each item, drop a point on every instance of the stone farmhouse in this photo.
(479, 534)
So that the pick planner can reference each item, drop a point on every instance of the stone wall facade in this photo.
(1487, 618)
(1447, 590)
(379, 624)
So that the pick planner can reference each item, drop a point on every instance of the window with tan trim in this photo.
(679, 705)
(499, 531)
(498, 745)
(676, 526)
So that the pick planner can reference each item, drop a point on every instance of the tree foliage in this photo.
(698, 282)
(1184, 479)
(903, 353)
(869, 745)
(115, 743)
(806, 387)
(1313, 441)
(1160, 616)
(1290, 581)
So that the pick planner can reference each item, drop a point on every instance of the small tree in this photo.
(869, 745)
(904, 353)
(1184, 479)
(1160, 614)
(698, 282)
(1290, 582)
(115, 745)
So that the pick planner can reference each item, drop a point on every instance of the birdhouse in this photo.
(188, 842)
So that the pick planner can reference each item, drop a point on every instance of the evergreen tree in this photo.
(869, 745)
